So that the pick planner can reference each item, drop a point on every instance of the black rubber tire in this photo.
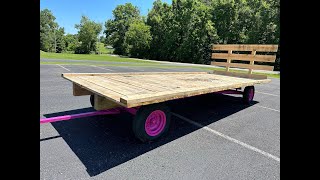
(138, 124)
(245, 97)
(92, 100)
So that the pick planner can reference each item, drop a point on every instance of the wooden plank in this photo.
(79, 91)
(115, 86)
(246, 47)
(131, 73)
(138, 81)
(245, 57)
(138, 100)
(242, 75)
(102, 103)
(247, 66)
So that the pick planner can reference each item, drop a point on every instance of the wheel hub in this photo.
(155, 123)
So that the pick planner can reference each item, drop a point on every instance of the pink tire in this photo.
(248, 94)
(151, 122)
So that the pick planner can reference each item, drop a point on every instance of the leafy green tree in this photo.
(195, 31)
(227, 16)
(51, 35)
(102, 39)
(137, 40)
(71, 42)
(47, 28)
(116, 28)
(60, 44)
(88, 32)
(181, 32)
(160, 21)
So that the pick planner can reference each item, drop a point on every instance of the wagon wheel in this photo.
(248, 94)
(92, 100)
(151, 122)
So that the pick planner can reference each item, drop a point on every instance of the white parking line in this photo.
(63, 67)
(267, 93)
(102, 68)
(228, 138)
(267, 108)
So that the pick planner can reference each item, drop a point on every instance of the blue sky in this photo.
(69, 12)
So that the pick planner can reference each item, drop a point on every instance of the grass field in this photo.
(95, 57)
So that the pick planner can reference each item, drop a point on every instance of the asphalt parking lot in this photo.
(213, 136)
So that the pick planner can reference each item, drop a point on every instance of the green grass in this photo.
(156, 66)
(95, 57)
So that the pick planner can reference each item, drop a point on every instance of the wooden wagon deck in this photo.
(136, 89)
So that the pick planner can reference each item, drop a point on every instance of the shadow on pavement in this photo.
(103, 142)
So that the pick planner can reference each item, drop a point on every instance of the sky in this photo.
(69, 12)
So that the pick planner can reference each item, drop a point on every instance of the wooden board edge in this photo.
(135, 101)
(241, 75)
(246, 47)
(244, 66)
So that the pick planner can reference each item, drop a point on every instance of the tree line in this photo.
(182, 31)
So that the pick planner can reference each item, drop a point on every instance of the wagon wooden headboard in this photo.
(252, 57)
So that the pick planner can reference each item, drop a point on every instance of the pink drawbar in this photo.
(81, 115)
(155, 123)
(132, 111)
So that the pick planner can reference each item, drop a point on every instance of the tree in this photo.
(71, 42)
(47, 29)
(88, 32)
(266, 28)
(137, 40)
(116, 28)
(181, 32)
(194, 31)
(231, 19)
(60, 44)
(160, 21)
(51, 35)
(102, 39)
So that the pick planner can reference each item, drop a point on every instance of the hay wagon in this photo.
(144, 95)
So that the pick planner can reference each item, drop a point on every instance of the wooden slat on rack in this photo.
(245, 47)
(239, 65)
(248, 57)
(242, 75)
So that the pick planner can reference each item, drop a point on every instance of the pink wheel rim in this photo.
(155, 123)
(251, 94)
